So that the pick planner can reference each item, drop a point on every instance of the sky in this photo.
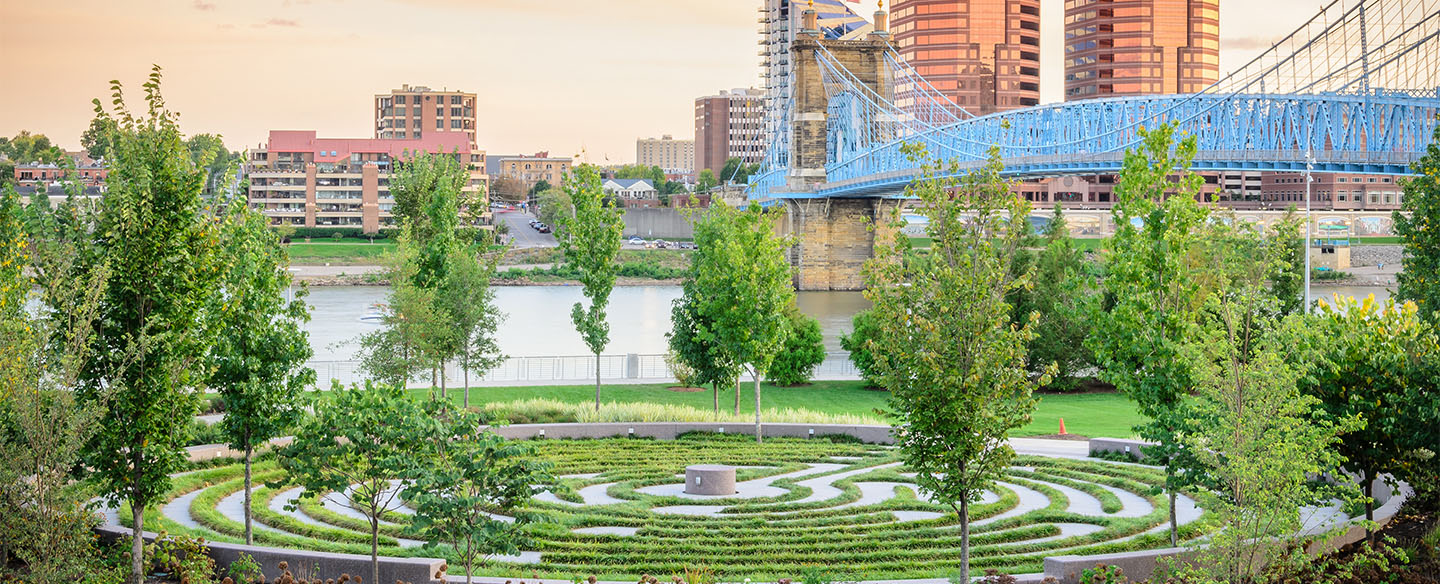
(567, 76)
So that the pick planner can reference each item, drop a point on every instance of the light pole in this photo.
(1309, 163)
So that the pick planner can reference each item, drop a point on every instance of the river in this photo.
(538, 322)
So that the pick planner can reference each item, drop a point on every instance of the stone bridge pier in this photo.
(834, 238)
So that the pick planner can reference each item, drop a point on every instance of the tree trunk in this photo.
(442, 381)
(137, 543)
(466, 367)
(137, 524)
(1174, 523)
(375, 548)
(737, 395)
(758, 438)
(715, 389)
(249, 533)
(597, 383)
(964, 540)
(469, 568)
(1369, 506)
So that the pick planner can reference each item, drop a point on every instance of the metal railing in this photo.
(561, 369)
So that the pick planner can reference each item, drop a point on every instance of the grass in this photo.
(765, 539)
(345, 251)
(1088, 414)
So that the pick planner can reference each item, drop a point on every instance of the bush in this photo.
(855, 343)
(202, 433)
(1329, 275)
(804, 350)
(337, 236)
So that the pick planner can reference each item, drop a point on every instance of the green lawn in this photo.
(1091, 414)
(342, 251)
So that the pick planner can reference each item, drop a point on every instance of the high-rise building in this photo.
(415, 111)
(301, 180)
(982, 54)
(674, 156)
(780, 21)
(729, 125)
(1140, 47)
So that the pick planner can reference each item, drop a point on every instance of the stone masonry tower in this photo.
(835, 234)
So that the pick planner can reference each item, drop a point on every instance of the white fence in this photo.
(561, 370)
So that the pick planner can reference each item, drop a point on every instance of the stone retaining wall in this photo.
(1371, 255)
(323, 565)
(1098, 445)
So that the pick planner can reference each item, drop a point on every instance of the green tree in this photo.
(737, 172)
(1062, 295)
(858, 343)
(1287, 277)
(98, 139)
(414, 331)
(706, 181)
(1418, 224)
(1381, 363)
(26, 148)
(554, 207)
(540, 186)
(357, 442)
(1153, 295)
(7, 172)
(43, 519)
(260, 349)
(945, 346)
(590, 240)
(1258, 437)
(469, 485)
(802, 352)
(209, 154)
(706, 358)
(744, 284)
(162, 254)
(469, 303)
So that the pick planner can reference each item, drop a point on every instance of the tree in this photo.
(466, 298)
(743, 283)
(1063, 295)
(945, 346)
(26, 148)
(706, 181)
(1381, 363)
(590, 240)
(1153, 295)
(1418, 224)
(414, 327)
(356, 444)
(43, 519)
(469, 483)
(1255, 435)
(1258, 437)
(161, 251)
(858, 343)
(737, 172)
(541, 186)
(803, 351)
(554, 207)
(706, 358)
(209, 154)
(98, 139)
(509, 188)
(260, 349)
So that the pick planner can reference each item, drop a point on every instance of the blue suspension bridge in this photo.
(1354, 89)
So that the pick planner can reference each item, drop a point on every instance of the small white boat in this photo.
(376, 314)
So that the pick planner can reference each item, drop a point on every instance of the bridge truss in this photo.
(1354, 89)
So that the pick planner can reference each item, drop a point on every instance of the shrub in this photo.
(245, 569)
(804, 350)
(183, 557)
(856, 344)
(1329, 275)
(684, 374)
(337, 236)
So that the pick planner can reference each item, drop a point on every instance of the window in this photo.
(439, 124)
(400, 100)
(454, 112)
(454, 124)
(454, 100)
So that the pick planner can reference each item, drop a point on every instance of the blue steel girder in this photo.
(1349, 131)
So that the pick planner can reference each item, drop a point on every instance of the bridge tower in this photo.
(836, 235)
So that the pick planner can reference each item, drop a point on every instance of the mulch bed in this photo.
(679, 389)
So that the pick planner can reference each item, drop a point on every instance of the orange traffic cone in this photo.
(1062, 426)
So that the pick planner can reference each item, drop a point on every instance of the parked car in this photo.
(534, 223)
(661, 244)
(637, 241)
(543, 228)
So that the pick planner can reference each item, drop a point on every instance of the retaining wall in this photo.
(1133, 447)
(670, 430)
(658, 223)
(323, 565)
(1371, 255)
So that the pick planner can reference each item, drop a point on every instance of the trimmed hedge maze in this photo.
(620, 512)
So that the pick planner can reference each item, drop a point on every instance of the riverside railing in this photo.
(561, 369)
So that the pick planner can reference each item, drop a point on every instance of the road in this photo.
(521, 234)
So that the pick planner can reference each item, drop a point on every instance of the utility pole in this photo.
(1309, 163)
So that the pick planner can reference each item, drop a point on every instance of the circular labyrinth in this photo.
(621, 511)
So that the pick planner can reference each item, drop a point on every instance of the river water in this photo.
(538, 322)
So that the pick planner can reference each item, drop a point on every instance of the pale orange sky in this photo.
(556, 75)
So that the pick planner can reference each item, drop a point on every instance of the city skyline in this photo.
(316, 64)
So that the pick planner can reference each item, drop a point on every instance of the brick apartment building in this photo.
(414, 111)
(299, 179)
